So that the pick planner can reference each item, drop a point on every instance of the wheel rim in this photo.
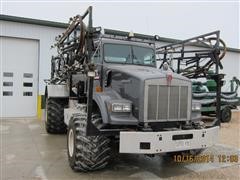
(46, 111)
(70, 142)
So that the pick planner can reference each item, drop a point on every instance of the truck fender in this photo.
(57, 91)
(101, 98)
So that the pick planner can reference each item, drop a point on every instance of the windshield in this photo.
(129, 54)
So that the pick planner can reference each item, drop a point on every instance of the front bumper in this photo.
(167, 141)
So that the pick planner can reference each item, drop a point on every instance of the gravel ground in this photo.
(230, 132)
(229, 136)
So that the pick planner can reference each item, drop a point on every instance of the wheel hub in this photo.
(70, 142)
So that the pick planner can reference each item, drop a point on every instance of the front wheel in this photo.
(86, 153)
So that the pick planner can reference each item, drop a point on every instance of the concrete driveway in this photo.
(28, 152)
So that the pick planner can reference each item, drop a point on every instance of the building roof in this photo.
(65, 25)
(33, 21)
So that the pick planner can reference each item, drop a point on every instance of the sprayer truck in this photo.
(105, 90)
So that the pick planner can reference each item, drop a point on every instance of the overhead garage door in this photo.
(18, 77)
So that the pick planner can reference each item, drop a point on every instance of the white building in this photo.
(25, 63)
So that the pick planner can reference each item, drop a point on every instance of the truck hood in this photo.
(144, 72)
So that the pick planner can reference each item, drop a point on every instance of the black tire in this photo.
(87, 153)
(226, 114)
(54, 122)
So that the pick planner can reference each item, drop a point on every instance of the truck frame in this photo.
(105, 90)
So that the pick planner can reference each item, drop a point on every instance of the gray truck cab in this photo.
(129, 70)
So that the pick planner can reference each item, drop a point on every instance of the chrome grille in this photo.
(162, 108)
(184, 101)
(167, 103)
(173, 102)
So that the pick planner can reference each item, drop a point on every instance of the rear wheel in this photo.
(54, 121)
(87, 153)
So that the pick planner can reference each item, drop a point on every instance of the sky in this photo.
(179, 20)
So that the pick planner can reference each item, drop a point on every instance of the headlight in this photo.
(121, 107)
(126, 107)
(196, 106)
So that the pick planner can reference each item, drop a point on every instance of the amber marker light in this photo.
(98, 89)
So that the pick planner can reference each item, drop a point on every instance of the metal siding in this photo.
(46, 37)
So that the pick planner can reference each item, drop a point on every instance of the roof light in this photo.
(131, 34)
(157, 38)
